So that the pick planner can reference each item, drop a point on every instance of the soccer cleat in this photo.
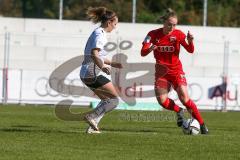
(90, 130)
(91, 122)
(204, 129)
(180, 117)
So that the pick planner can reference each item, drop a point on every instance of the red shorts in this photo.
(166, 79)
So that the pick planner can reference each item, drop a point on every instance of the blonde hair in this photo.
(168, 13)
(100, 14)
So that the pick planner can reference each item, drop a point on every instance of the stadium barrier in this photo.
(36, 49)
(33, 87)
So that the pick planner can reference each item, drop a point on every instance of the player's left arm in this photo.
(147, 45)
(189, 46)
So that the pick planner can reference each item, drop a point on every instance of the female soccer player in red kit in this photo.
(165, 43)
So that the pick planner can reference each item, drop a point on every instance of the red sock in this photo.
(192, 109)
(170, 105)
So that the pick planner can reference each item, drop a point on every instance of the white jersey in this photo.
(98, 40)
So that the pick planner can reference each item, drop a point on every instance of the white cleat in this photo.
(90, 130)
(91, 122)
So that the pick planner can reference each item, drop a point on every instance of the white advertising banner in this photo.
(33, 87)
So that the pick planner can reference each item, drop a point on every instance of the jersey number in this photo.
(166, 49)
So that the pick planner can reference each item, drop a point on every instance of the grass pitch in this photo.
(34, 132)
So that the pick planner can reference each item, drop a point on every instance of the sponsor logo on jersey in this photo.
(172, 39)
(166, 49)
(157, 40)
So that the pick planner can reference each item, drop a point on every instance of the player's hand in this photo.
(189, 37)
(106, 69)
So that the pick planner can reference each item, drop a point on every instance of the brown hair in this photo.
(168, 13)
(100, 14)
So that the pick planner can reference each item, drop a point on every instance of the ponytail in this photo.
(100, 14)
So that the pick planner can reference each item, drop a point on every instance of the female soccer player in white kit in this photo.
(94, 60)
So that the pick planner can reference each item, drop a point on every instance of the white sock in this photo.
(103, 107)
(97, 119)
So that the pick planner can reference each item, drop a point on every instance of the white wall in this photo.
(40, 46)
(67, 39)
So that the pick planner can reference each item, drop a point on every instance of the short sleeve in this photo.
(148, 38)
(98, 41)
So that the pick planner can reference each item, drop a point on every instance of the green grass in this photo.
(34, 132)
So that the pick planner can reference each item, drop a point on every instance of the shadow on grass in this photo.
(24, 126)
(166, 127)
(36, 129)
(133, 130)
(54, 131)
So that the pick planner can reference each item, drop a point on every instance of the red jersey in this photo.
(167, 53)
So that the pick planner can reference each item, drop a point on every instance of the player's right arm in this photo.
(147, 46)
(100, 62)
(97, 45)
